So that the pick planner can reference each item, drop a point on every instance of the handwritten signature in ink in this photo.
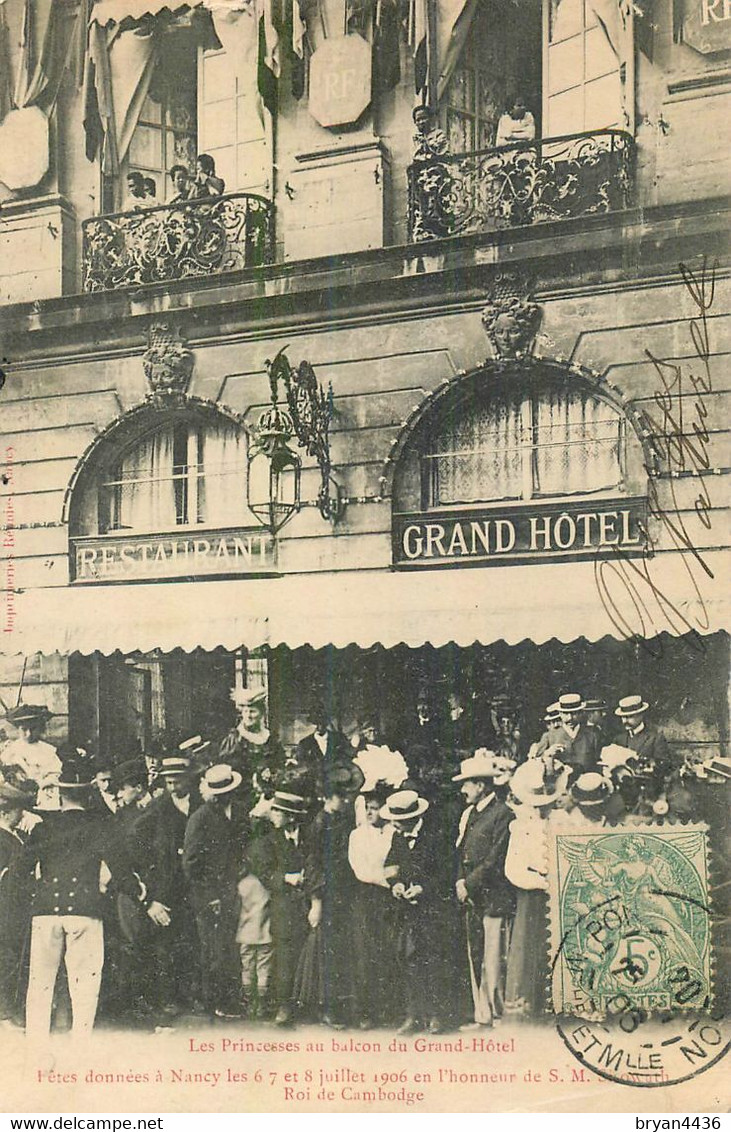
(637, 605)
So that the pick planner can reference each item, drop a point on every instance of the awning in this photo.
(107, 12)
(537, 602)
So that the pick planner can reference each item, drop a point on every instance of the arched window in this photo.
(512, 440)
(170, 470)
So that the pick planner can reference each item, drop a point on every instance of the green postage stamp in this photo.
(630, 920)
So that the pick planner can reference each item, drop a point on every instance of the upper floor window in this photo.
(535, 434)
(186, 473)
(525, 445)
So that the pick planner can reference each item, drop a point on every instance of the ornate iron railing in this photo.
(523, 183)
(208, 236)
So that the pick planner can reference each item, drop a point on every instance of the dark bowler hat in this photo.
(28, 713)
(21, 794)
(342, 778)
(77, 772)
(132, 772)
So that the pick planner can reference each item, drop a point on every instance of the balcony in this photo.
(525, 183)
(209, 236)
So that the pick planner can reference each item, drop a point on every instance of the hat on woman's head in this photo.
(249, 697)
(26, 714)
(532, 786)
(342, 778)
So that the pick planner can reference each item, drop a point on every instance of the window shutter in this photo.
(230, 125)
(588, 66)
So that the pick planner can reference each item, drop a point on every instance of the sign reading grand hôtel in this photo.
(519, 534)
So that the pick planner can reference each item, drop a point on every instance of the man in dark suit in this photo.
(420, 871)
(14, 920)
(212, 852)
(577, 745)
(324, 747)
(277, 859)
(481, 887)
(159, 839)
(654, 764)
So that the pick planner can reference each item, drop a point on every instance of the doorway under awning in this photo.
(565, 601)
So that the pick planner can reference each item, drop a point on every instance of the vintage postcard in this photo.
(364, 656)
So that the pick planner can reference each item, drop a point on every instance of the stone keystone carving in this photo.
(511, 319)
(167, 361)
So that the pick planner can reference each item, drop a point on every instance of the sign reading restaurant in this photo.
(519, 534)
(193, 555)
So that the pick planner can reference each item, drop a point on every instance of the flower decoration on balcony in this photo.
(510, 318)
(167, 362)
(311, 409)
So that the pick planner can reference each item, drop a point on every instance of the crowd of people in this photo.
(199, 184)
(341, 880)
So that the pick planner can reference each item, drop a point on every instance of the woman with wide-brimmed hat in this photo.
(537, 787)
(325, 982)
(36, 758)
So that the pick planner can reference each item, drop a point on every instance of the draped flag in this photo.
(269, 61)
(298, 50)
(419, 40)
(386, 55)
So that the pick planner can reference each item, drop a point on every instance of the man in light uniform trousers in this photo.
(68, 855)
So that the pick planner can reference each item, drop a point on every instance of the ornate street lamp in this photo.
(274, 468)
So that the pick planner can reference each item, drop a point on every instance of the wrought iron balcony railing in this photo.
(523, 183)
(207, 236)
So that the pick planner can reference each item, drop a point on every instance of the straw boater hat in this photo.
(485, 764)
(25, 714)
(404, 805)
(288, 803)
(596, 705)
(570, 702)
(175, 765)
(194, 747)
(591, 789)
(221, 779)
(631, 705)
(552, 713)
(531, 787)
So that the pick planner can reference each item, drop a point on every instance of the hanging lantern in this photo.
(274, 470)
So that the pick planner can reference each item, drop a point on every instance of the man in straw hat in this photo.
(482, 888)
(68, 854)
(159, 837)
(575, 743)
(420, 870)
(212, 852)
(277, 859)
(15, 799)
